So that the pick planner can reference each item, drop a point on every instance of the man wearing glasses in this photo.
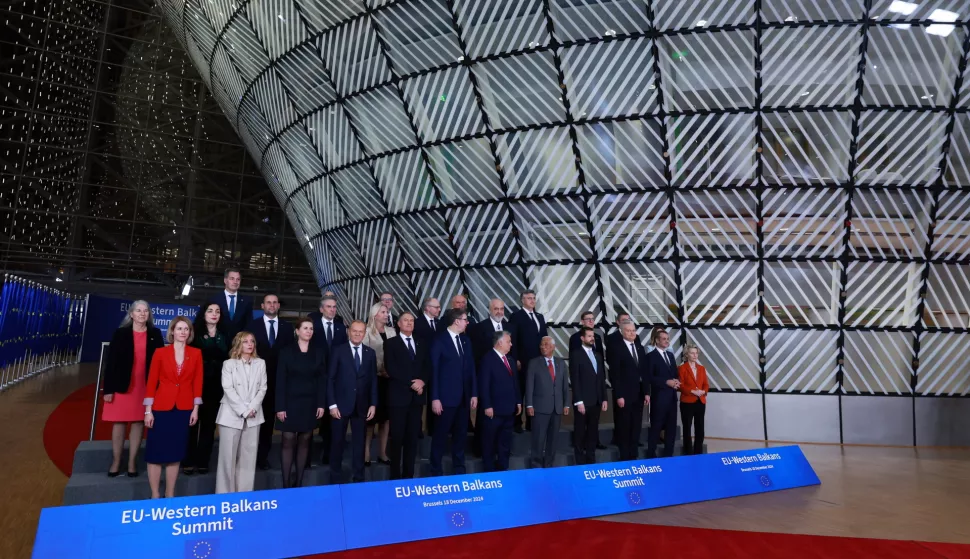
(454, 390)
(387, 299)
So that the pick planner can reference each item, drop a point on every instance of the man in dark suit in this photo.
(665, 384)
(406, 363)
(575, 341)
(530, 328)
(272, 334)
(236, 308)
(588, 378)
(546, 400)
(501, 400)
(426, 328)
(482, 336)
(453, 390)
(616, 337)
(460, 302)
(387, 299)
(328, 333)
(352, 398)
(628, 363)
(336, 316)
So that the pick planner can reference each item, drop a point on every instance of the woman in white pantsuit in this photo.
(240, 415)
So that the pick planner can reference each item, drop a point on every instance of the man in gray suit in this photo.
(546, 397)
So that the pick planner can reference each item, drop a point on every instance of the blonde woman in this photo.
(240, 415)
(376, 334)
(693, 398)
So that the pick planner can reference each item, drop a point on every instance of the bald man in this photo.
(481, 334)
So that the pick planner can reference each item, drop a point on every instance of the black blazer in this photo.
(589, 387)
(121, 357)
(658, 374)
(576, 342)
(402, 369)
(293, 380)
(319, 338)
(628, 378)
(244, 313)
(349, 389)
(284, 338)
(423, 331)
(527, 337)
(498, 387)
(481, 333)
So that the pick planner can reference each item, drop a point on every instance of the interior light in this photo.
(904, 8)
(900, 25)
(941, 15)
(804, 93)
(187, 287)
(703, 23)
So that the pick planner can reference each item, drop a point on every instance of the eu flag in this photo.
(207, 548)
(458, 520)
(634, 498)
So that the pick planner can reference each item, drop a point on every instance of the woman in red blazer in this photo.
(693, 398)
(172, 400)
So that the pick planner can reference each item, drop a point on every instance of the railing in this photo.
(40, 328)
(97, 387)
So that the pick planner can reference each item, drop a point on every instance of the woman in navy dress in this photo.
(301, 384)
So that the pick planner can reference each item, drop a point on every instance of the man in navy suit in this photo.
(453, 390)
(236, 308)
(426, 328)
(352, 397)
(272, 334)
(501, 400)
(665, 384)
(482, 335)
(328, 332)
(530, 328)
(406, 363)
(576, 342)
(631, 391)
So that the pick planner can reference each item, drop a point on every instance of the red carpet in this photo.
(595, 538)
(69, 424)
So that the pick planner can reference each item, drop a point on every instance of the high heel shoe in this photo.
(385, 461)
(114, 474)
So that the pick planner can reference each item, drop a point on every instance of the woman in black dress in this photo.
(215, 350)
(301, 384)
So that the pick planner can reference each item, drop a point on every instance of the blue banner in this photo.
(105, 315)
(305, 521)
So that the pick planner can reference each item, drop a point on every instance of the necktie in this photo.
(507, 366)
(533, 317)
(633, 350)
(552, 370)
(498, 326)
(329, 333)
(664, 353)
(272, 333)
(458, 345)
(434, 325)
(410, 347)
(232, 307)
(356, 358)
(592, 358)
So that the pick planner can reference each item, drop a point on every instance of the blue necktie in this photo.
(356, 359)
(232, 307)
(410, 348)
(592, 358)
(272, 333)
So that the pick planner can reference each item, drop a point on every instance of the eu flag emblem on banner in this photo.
(764, 480)
(459, 519)
(202, 549)
(634, 498)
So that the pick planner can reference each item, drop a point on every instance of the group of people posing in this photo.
(396, 374)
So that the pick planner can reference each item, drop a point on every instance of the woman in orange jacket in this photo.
(693, 398)
(172, 400)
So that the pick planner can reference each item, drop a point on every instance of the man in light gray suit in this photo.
(546, 400)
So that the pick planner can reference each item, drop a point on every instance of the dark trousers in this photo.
(523, 418)
(326, 437)
(402, 444)
(201, 436)
(497, 442)
(454, 421)
(629, 421)
(545, 427)
(693, 413)
(479, 423)
(586, 434)
(266, 429)
(339, 436)
(663, 417)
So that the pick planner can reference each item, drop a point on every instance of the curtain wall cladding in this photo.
(785, 183)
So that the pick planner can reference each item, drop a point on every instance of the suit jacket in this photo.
(243, 387)
(167, 389)
(319, 338)
(498, 386)
(527, 335)
(423, 331)
(290, 383)
(627, 377)
(453, 379)
(589, 385)
(284, 337)
(481, 334)
(688, 383)
(576, 342)
(121, 357)
(375, 342)
(348, 388)
(401, 369)
(542, 393)
(237, 323)
(658, 373)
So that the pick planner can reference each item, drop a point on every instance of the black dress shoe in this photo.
(188, 471)
(114, 474)
(367, 464)
(202, 471)
(383, 461)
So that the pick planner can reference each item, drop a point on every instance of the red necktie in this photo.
(506, 361)
(552, 370)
